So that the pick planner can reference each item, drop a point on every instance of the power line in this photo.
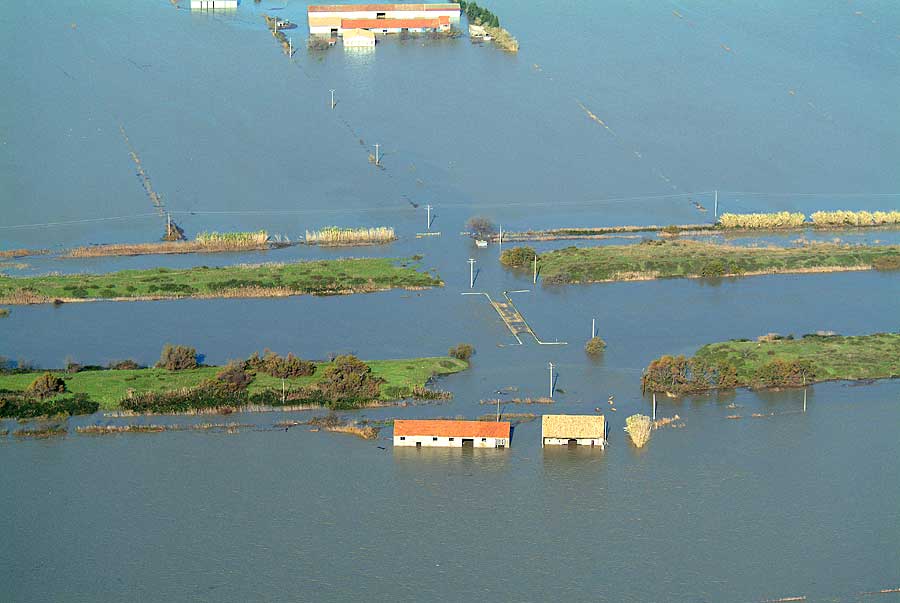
(72, 222)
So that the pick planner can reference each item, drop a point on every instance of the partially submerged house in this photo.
(359, 38)
(574, 430)
(451, 434)
(214, 4)
(336, 19)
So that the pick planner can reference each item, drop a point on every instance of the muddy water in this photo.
(235, 136)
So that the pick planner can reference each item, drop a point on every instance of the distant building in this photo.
(213, 4)
(335, 19)
(359, 38)
(581, 430)
(451, 434)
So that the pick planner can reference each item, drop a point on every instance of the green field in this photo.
(672, 259)
(264, 280)
(108, 387)
(863, 357)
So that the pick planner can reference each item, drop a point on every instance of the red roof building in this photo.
(446, 433)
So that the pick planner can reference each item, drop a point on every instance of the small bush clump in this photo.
(283, 367)
(349, 380)
(784, 373)
(234, 376)
(518, 257)
(462, 351)
(594, 346)
(124, 365)
(45, 386)
(177, 358)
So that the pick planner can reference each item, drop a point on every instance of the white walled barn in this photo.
(335, 19)
(576, 430)
(451, 434)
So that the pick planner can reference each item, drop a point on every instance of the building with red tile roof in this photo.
(333, 19)
(448, 433)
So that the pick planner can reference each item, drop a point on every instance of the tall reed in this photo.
(843, 217)
(333, 235)
(782, 219)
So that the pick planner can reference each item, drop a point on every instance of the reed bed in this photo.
(42, 432)
(334, 236)
(366, 432)
(153, 428)
(638, 428)
(668, 421)
(830, 219)
(204, 243)
(21, 253)
(775, 220)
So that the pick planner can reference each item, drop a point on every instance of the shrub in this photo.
(518, 257)
(594, 346)
(481, 227)
(888, 262)
(680, 375)
(234, 376)
(46, 385)
(349, 380)
(124, 365)
(462, 351)
(177, 358)
(283, 367)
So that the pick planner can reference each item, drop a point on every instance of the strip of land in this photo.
(399, 379)
(326, 277)
(692, 259)
(775, 361)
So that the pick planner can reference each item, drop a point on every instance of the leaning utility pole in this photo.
(471, 273)
(377, 157)
(535, 269)
(428, 225)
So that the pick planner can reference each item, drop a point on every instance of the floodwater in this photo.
(778, 107)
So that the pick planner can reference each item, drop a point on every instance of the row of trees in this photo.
(478, 14)
(680, 375)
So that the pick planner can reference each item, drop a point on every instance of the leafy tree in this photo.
(234, 376)
(462, 351)
(481, 227)
(518, 257)
(177, 358)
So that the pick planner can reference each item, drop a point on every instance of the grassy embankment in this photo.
(690, 259)
(109, 387)
(207, 242)
(727, 223)
(774, 361)
(326, 277)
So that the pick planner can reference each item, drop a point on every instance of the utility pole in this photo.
(804, 399)
(501, 238)
(282, 391)
(716, 210)
(593, 328)
(332, 99)
(551, 379)
(471, 273)
(535, 269)
(377, 157)
(428, 225)
(654, 406)
(168, 225)
(290, 47)
(498, 410)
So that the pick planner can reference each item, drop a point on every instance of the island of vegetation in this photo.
(776, 361)
(324, 277)
(178, 384)
(207, 242)
(482, 17)
(653, 259)
(727, 222)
